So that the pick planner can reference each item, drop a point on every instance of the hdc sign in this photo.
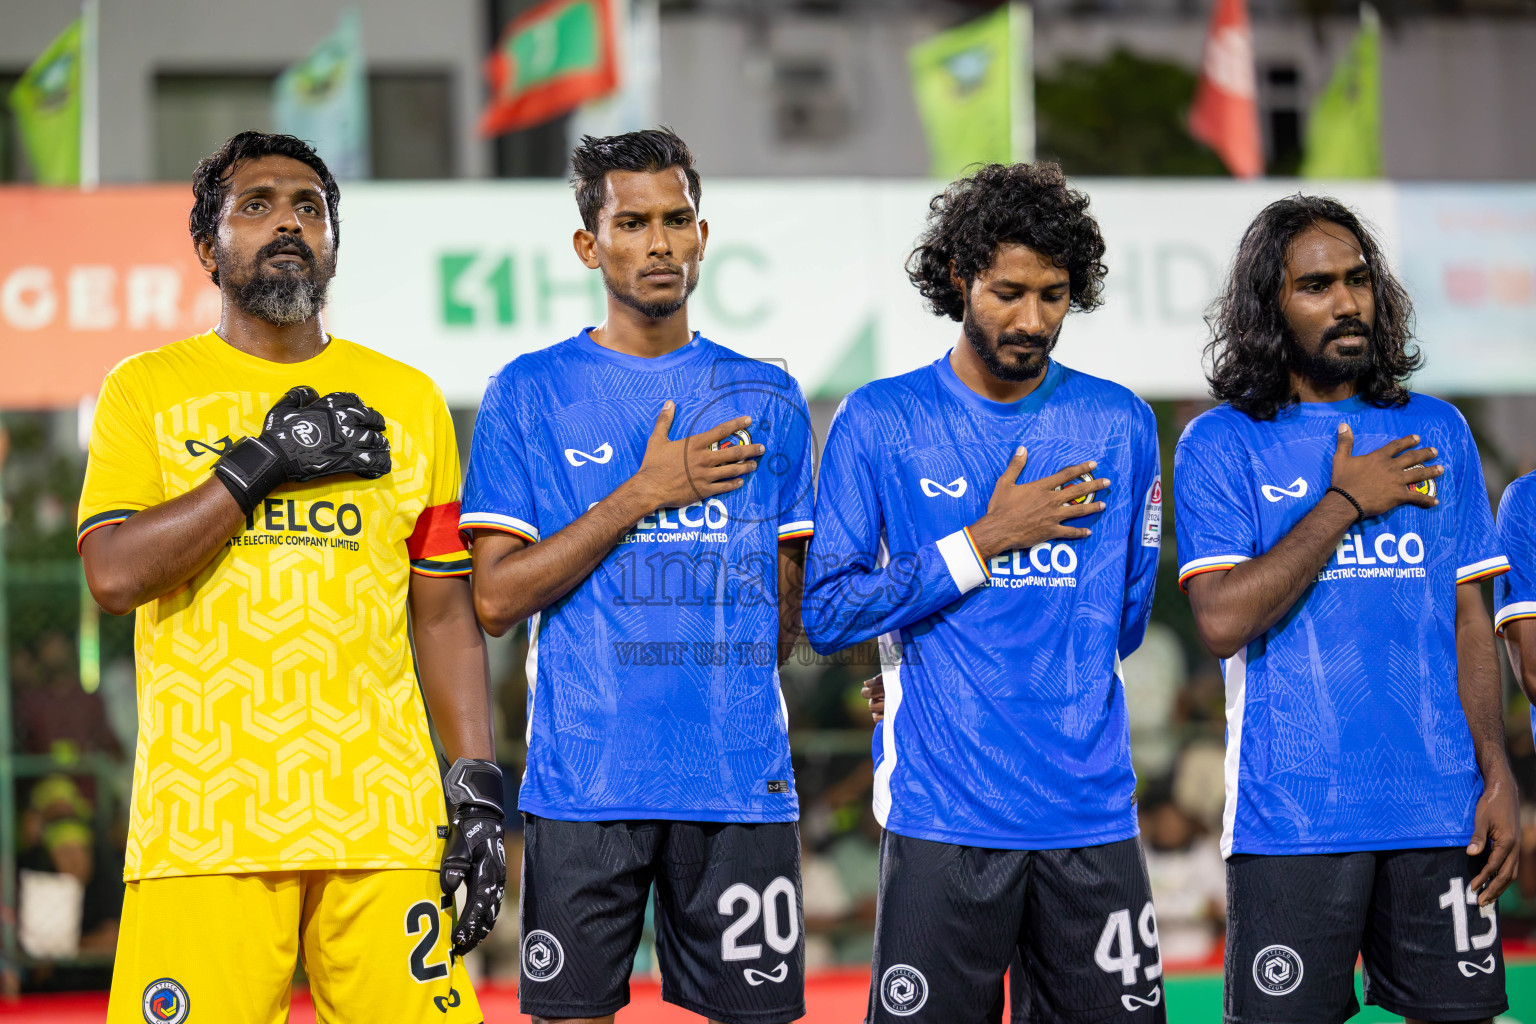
(89, 279)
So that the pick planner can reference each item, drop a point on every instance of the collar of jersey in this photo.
(256, 364)
(1029, 403)
(1354, 403)
(674, 358)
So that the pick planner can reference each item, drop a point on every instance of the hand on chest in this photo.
(947, 486)
(593, 448)
(1289, 480)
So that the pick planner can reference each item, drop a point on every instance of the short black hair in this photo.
(649, 150)
(1249, 350)
(1029, 204)
(210, 182)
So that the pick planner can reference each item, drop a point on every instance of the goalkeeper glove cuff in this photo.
(251, 470)
(473, 789)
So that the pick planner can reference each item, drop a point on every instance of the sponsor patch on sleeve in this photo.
(1152, 515)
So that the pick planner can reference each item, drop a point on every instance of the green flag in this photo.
(1344, 129)
(46, 102)
(974, 90)
(551, 59)
(323, 99)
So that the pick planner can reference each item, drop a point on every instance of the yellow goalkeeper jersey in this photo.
(280, 724)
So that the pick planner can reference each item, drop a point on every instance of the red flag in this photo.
(550, 60)
(1225, 115)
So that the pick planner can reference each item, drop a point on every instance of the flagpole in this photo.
(1021, 82)
(90, 108)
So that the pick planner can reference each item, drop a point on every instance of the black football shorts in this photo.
(730, 934)
(1295, 925)
(1078, 923)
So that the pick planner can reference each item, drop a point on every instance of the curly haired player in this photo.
(995, 518)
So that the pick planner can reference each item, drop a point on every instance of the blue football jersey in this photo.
(1514, 593)
(1345, 729)
(653, 686)
(1005, 722)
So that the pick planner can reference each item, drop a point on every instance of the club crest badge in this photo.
(903, 989)
(1277, 970)
(738, 439)
(166, 1002)
(1081, 499)
(542, 956)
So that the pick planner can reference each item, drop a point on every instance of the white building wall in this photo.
(142, 37)
(1456, 92)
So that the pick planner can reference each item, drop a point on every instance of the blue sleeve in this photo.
(497, 492)
(797, 491)
(854, 588)
(1514, 593)
(1213, 514)
(1145, 541)
(1477, 551)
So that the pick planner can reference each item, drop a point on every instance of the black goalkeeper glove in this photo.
(475, 852)
(303, 437)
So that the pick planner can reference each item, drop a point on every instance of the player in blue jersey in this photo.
(994, 519)
(1370, 807)
(642, 496)
(1514, 593)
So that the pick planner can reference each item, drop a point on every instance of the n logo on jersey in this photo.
(1473, 969)
(755, 977)
(956, 487)
(219, 447)
(1298, 489)
(577, 457)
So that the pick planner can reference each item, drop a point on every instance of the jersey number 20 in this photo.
(781, 933)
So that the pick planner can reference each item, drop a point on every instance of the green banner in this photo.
(46, 102)
(569, 40)
(323, 99)
(1344, 129)
(973, 89)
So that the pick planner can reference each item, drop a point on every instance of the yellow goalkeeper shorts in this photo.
(223, 947)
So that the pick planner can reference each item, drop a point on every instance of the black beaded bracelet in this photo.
(1359, 512)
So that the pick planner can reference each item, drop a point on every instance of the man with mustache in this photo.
(273, 543)
(994, 519)
(1370, 807)
(641, 496)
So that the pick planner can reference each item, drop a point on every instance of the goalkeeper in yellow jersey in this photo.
(275, 503)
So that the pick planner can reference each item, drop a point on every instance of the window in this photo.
(410, 120)
(808, 106)
(195, 114)
(1281, 103)
(411, 130)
